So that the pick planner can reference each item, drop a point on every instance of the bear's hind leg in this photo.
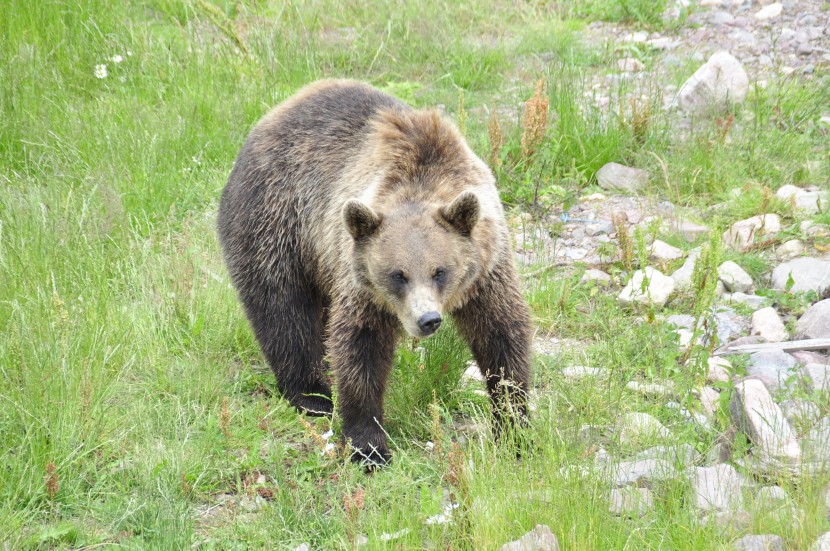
(288, 324)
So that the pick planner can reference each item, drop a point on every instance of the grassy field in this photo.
(135, 408)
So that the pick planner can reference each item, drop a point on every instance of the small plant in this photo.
(496, 139)
(51, 479)
(225, 418)
(534, 121)
(704, 286)
(461, 116)
(626, 248)
(640, 121)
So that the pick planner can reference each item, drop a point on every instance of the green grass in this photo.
(127, 364)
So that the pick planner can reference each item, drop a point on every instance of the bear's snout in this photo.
(429, 323)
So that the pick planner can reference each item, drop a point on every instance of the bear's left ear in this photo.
(360, 219)
(462, 214)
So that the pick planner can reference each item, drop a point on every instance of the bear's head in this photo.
(416, 259)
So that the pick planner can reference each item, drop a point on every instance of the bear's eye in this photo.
(398, 277)
(440, 275)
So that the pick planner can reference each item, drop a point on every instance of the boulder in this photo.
(717, 85)
(742, 235)
(759, 417)
(734, 278)
(647, 287)
(815, 322)
(538, 539)
(808, 274)
(614, 176)
(767, 323)
(716, 488)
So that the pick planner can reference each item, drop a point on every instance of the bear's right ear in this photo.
(360, 219)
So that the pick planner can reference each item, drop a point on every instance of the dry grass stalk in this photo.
(51, 479)
(225, 418)
(640, 118)
(496, 137)
(623, 240)
(534, 121)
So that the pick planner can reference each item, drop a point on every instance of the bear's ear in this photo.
(360, 219)
(462, 214)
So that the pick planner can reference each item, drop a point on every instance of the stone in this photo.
(771, 367)
(641, 472)
(596, 276)
(742, 234)
(800, 412)
(808, 274)
(753, 301)
(822, 543)
(599, 228)
(630, 501)
(769, 12)
(815, 444)
(690, 231)
(767, 323)
(714, 87)
(730, 521)
(734, 278)
(650, 390)
(303, 547)
(538, 539)
(815, 322)
(767, 542)
(729, 323)
(790, 249)
(638, 426)
(577, 372)
(769, 494)
(716, 488)
(472, 373)
(630, 65)
(663, 252)
(759, 417)
(658, 289)
(709, 400)
(681, 454)
(719, 370)
(683, 276)
(810, 202)
(614, 176)
(817, 376)
(805, 357)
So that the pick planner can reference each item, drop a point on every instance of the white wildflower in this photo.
(327, 449)
(129, 53)
(117, 58)
(445, 517)
(101, 71)
(395, 535)
(430, 445)
(328, 434)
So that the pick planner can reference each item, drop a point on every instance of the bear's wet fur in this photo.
(349, 218)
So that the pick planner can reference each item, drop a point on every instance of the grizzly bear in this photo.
(350, 216)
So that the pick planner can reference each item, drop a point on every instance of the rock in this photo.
(767, 323)
(637, 426)
(728, 323)
(714, 87)
(599, 228)
(753, 301)
(808, 274)
(709, 400)
(630, 501)
(767, 542)
(734, 278)
(683, 276)
(472, 373)
(630, 65)
(741, 236)
(719, 370)
(805, 357)
(815, 322)
(580, 372)
(730, 521)
(769, 12)
(817, 231)
(657, 290)
(822, 544)
(770, 367)
(303, 547)
(682, 454)
(810, 202)
(716, 488)
(790, 249)
(817, 375)
(769, 494)
(663, 252)
(815, 444)
(641, 472)
(690, 231)
(800, 412)
(759, 417)
(538, 539)
(620, 177)
(597, 276)
(650, 390)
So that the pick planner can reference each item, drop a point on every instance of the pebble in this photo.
(767, 323)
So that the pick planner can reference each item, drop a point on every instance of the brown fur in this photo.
(349, 217)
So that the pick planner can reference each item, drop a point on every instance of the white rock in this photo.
(771, 367)
(810, 202)
(822, 544)
(709, 400)
(734, 278)
(683, 276)
(472, 373)
(597, 276)
(767, 324)
(662, 251)
(658, 288)
(815, 322)
(641, 472)
(714, 87)
(719, 370)
(790, 249)
(741, 236)
(716, 488)
(808, 274)
(766, 542)
(577, 372)
(760, 418)
(538, 539)
(630, 65)
(621, 177)
(769, 12)
(753, 301)
(691, 232)
(818, 375)
(630, 501)
(650, 390)
(638, 426)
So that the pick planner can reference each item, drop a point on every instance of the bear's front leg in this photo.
(362, 340)
(495, 322)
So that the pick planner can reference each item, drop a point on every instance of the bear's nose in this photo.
(429, 323)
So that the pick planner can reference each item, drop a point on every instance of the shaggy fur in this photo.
(350, 217)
